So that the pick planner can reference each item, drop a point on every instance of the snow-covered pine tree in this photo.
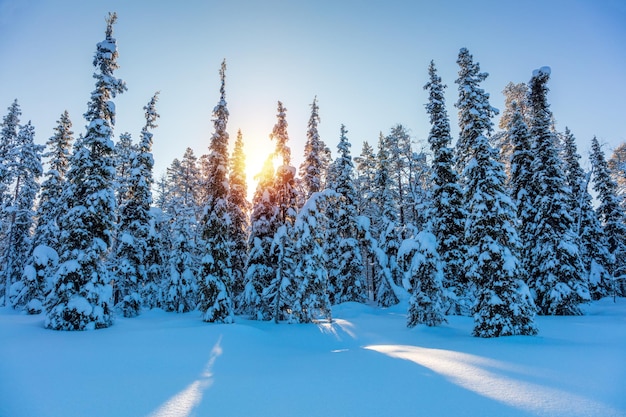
(8, 137)
(611, 216)
(215, 278)
(521, 185)
(503, 305)
(555, 269)
(25, 166)
(447, 218)
(472, 117)
(124, 151)
(316, 157)
(386, 232)
(58, 154)
(239, 213)
(423, 279)
(365, 180)
(80, 297)
(44, 258)
(261, 266)
(134, 225)
(342, 246)
(310, 278)
(593, 243)
(180, 286)
(279, 295)
(184, 180)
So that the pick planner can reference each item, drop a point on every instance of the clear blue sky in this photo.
(365, 60)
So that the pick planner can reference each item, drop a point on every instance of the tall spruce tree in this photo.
(134, 226)
(475, 112)
(593, 243)
(179, 285)
(48, 211)
(342, 246)
(554, 261)
(503, 305)
(81, 295)
(8, 137)
(124, 151)
(184, 180)
(44, 258)
(521, 185)
(316, 157)
(423, 277)
(611, 216)
(239, 212)
(262, 260)
(311, 299)
(26, 168)
(279, 295)
(447, 216)
(386, 231)
(215, 277)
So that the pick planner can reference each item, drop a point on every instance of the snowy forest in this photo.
(500, 226)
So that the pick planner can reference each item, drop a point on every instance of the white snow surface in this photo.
(366, 363)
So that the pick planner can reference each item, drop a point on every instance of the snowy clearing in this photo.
(367, 363)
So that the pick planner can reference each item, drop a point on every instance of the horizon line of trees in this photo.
(501, 226)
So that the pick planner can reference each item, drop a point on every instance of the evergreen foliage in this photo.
(215, 277)
(475, 112)
(239, 213)
(386, 231)
(280, 293)
(180, 286)
(593, 243)
(423, 280)
(521, 186)
(554, 263)
(48, 211)
(611, 216)
(316, 157)
(81, 295)
(130, 272)
(8, 138)
(310, 279)
(342, 246)
(502, 306)
(446, 218)
(261, 265)
(25, 167)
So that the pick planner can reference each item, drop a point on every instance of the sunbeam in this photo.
(183, 403)
(492, 379)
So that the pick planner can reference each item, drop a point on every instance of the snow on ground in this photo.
(367, 363)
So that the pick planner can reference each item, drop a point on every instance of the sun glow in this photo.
(256, 156)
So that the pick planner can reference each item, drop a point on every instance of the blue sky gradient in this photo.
(365, 60)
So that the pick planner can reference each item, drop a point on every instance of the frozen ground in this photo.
(367, 363)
